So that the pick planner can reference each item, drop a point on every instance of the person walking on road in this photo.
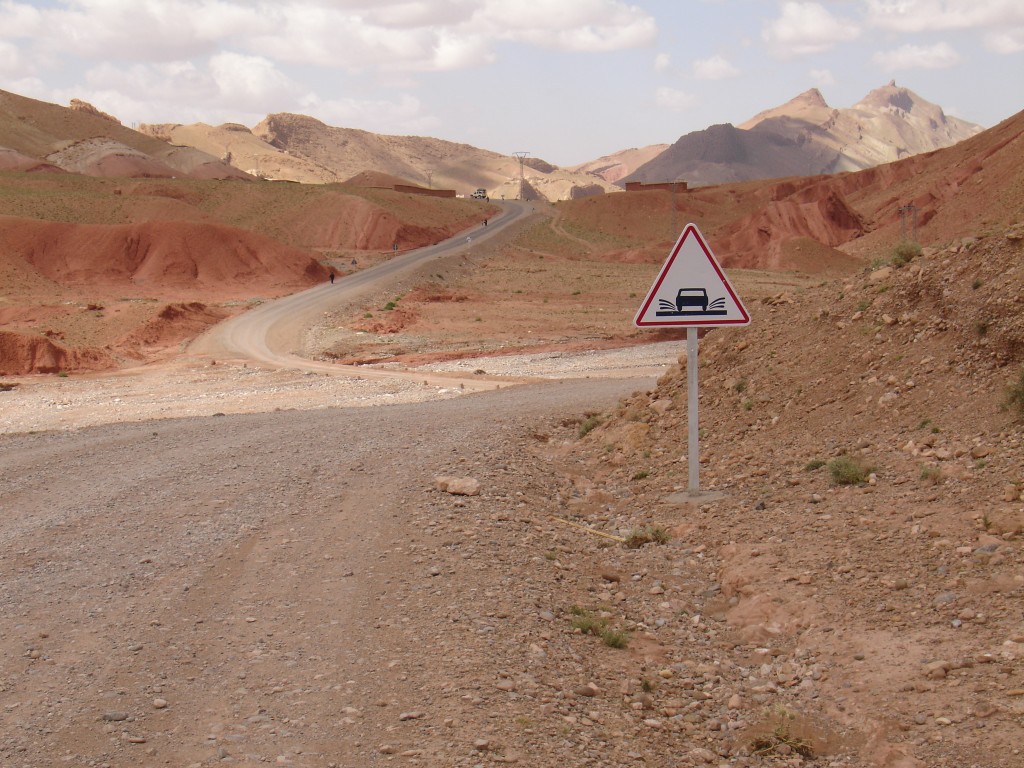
(332, 277)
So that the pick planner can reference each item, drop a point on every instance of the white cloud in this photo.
(19, 19)
(932, 15)
(805, 28)
(822, 77)
(377, 116)
(938, 56)
(11, 62)
(714, 68)
(353, 35)
(673, 99)
(662, 62)
(568, 25)
(250, 82)
(1007, 41)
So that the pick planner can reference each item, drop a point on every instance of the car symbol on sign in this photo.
(692, 297)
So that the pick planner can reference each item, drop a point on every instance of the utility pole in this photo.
(675, 232)
(522, 179)
(908, 222)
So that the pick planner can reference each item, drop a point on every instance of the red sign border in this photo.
(687, 231)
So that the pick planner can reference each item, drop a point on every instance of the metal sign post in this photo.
(691, 291)
(693, 442)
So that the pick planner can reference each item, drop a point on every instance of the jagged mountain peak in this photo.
(805, 136)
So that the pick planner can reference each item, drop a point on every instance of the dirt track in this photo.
(284, 587)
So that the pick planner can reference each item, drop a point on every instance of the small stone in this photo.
(115, 717)
(703, 755)
(482, 745)
(410, 716)
(458, 486)
(159, 703)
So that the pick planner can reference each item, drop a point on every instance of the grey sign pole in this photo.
(693, 455)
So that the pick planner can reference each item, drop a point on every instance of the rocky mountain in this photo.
(300, 148)
(38, 136)
(620, 164)
(807, 137)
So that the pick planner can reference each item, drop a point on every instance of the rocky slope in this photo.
(806, 137)
(862, 565)
(301, 148)
(81, 139)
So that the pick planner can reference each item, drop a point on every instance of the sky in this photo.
(567, 81)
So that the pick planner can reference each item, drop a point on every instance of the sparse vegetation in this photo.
(641, 474)
(847, 470)
(650, 534)
(615, 638)
(586, 622)
(814, 464)
(589, 424)
(932, 475)
(904, 252)
(780, 742)
(1014, 400)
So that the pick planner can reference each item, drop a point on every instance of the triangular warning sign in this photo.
(692, 289)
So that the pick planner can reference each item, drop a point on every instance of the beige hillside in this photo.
(888, 124)
(237, 145)
(299, 148)
(83, 140)
(618, 165)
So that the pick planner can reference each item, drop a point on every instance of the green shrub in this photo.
(1014, 400)
(651, 534)
(846, 470)
(814, 464)
(588, 625)
(615, 638)
(904, 252)
(588, 424)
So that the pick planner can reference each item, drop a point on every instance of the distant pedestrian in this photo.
(485, 222)
(332, 277)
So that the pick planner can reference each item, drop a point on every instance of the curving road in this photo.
(271, 334)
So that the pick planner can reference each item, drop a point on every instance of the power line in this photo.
(522, 179)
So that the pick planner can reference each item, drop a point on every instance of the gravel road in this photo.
(268, 587)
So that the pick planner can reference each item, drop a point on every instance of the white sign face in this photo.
(692, 289)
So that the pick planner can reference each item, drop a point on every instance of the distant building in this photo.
(666, 186)
(422, 191)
